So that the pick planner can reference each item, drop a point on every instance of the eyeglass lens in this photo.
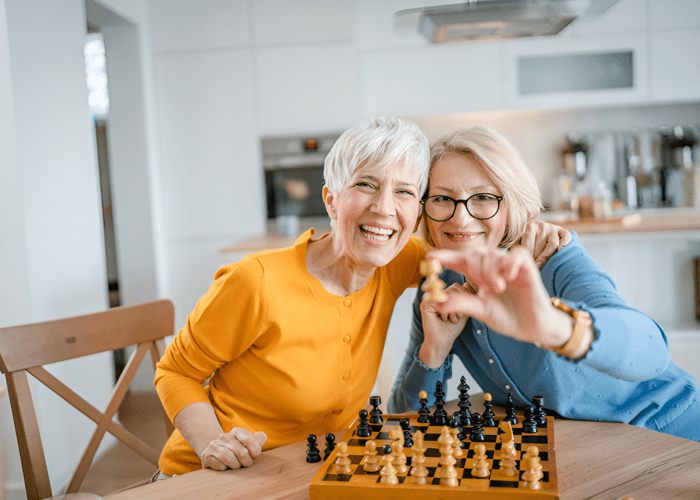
(480, 206)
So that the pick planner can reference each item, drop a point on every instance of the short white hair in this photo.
(376, 143)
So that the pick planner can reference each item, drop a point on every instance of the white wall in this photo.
(55, 266)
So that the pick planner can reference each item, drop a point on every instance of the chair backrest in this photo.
(27, 348)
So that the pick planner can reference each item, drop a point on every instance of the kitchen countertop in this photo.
(643, 221)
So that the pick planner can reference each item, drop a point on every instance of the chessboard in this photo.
(328, 484)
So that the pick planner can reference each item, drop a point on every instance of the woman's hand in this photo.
(511, 297)
(543, 240)
(233, 450)
(440, 331)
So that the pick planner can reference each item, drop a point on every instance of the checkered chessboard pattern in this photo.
(328, 484)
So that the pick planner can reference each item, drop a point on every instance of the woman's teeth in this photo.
(375, 233)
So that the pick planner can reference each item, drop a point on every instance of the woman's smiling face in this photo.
(375, 213)
(459, 177)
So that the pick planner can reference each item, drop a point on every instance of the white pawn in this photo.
(481, 465)
(342, 463)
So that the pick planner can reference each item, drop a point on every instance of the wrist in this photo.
(433, 356)
(581, 334)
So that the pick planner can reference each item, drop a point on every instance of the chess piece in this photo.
(371, 462)
(330, 445)
(454, 433)
(363, 429)
(464, 403)
(488, 411)
(419, 471)
(481, 464)
(448, 473)
(539, 414)
(342, 463)
(439, 415)
(396, 433)
(433, 285)
(423, 412)
(510, 411)
(534, 453)
(477, 433)
(376, 413)
(529, 424)
(530, 476)
(508, 453)
(399, 458)
(462, 435)
(313, 455)
(388, 472)
(407, 438)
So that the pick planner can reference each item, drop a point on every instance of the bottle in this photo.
(602, 202)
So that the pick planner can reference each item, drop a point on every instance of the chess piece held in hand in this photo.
(433, 285)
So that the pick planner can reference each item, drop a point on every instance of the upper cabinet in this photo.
(576, 71)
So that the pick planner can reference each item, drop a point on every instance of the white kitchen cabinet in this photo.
(673, 14)
(560, 55)
(675, 65)
(306, 88)
(439, 79)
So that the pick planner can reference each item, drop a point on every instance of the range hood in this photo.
(497, 19)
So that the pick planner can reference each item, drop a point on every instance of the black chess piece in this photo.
(313, 455)
(407, 438)
(376, 413)
(386, 449)
(439, 415)
(477, 433)
(464, 403)
(424, 412)
(539, 413)
(462, 435)
(510, 411)
(363, 429)
(330, 445)
(488, 414)
(529, 424)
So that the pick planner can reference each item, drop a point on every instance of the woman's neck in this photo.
(338, 273)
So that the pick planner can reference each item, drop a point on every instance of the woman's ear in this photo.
(328, 199)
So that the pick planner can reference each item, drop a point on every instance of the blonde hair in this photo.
(503, 165)
(377, 142)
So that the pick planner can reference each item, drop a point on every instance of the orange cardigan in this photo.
(284, 355)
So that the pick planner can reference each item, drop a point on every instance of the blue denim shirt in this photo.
(626, 376)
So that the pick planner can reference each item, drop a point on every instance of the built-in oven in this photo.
(294, 178)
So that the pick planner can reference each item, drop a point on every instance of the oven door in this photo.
(295, 191)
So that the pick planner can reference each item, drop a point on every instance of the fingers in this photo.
(233, 450)
(552, 245)
(564, 237)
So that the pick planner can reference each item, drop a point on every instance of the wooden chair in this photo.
(27, 348)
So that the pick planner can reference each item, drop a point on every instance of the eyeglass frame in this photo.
(456, 203)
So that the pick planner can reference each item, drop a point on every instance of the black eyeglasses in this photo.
(481, 206)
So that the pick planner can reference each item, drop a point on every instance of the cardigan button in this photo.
(346, 339)
(346, 375)
(347, 302)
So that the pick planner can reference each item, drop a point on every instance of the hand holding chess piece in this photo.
(433, 285)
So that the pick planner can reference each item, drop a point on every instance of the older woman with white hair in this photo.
(561, 332)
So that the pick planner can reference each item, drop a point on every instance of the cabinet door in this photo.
(559, 72)
(440, 79)
(675, 65)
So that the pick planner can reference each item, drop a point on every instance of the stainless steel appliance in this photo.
(294, 177)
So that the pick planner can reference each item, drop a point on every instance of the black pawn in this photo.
(376, 413)
(386, 449)
(407, 438)
(539, 413)
(439, 415)
(477, 433)
(488, 414)
(363, 429)
(510, 411)
(464, 403)
(457, 417)
(330, 445)
(529, 424)
(424, 412)
(312, 454)
(456, 423)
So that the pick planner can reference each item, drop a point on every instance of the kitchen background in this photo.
(195, 85)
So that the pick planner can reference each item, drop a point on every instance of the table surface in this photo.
(603, 461)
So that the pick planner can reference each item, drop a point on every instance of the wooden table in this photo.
(603, 461)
